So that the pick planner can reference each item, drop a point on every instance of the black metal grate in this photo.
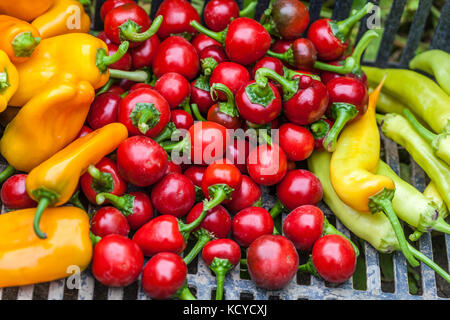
(238, 285)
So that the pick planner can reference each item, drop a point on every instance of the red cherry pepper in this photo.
(330, 37)
(181, 119)
(333, 258)
(140, 85)
(214, 51)
(248, 195)
(102, 35)
(224, 113)
(269, 62)
(135, 206)
(301, 54)
(117, 261)
(245, 40)
(305, 99)
(14, 194)
(201, 41)
(237, 152)
(103, 177)
(348, 100)
(108, 5)
(109, 220)
(289, 19)
(319, 130)
(177, 15)
(172, 167)
(174, 88)
(230, 74)
(141, 161)
(217, 220)
(174, 194)
(164, 276)
(258, 103)
(176, 54)
(195, 173)
(299, 187)
(218, 13)
(143, 55)
(251, 223)
(296, 141)
(123, 63)
(144, 111)
(221, 255)
(104, 110)
(84, 131)
(130, 22)
(272, 261)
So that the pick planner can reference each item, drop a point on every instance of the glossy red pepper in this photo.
(213, 51)
(237, 152)
(201, 41)
(224, 113)
(174, 88)
(177, 15)
(143, 55)
(251, 223)
(181, 119)
(108, 220)
(301, 54)
(232, 75)
(14, 195)
(217, 220)
(104, 110)
(267, 164)
(296, 141)
(249, 195)
(108, 5)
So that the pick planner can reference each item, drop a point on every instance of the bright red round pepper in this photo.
(251, 223)
(103, 110)
(267, 164)
(218, 13)
(174, 88)
(108, 5)
(249, 194)
(201, 41)
(109, 220)
(14, 194)
(181, 119)
(143, 55)
(177, 16)
(232, 75)
(296, 141)
(217, 220)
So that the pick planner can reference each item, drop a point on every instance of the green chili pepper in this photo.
(375, 228)
(412, 206)
(398, 129)
(436, 63)
(439, 142)
(421, 94)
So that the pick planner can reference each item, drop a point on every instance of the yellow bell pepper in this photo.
(353, 170)
(9, 80)
(54, 181)
(46, 124)
(25, 259)
(65, 16)
(26, 10)
(74, 56)
(19, 38)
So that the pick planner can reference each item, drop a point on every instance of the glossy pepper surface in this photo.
(46, 124)
(54, 181)
(9, 80)
(64, 16)
(19, 38)
(25, 259)
(25, 9)
(84, 57)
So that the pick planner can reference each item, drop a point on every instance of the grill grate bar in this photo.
(56, 290)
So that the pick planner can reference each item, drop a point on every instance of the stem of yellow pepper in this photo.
(382, 201)
(46, 198)
(24, 44)
(103, 60)
(136, 76)
(129, 30)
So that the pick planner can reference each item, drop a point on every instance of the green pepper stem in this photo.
(420, 256)
(136, 76)
(198, 116)
(203, 237)
(106, 60)
(6, 173)
(94, 239)
(4, 82)
(220, 267)
(218, 36)
(441, 226)
(341, 29)
(277, 208)
(287, 56)
(145, 116)
(228, 107)
(186, 105)
(290, 87)
(382, 201)
(166, 133)
(24, 44)
(308, 267)
(208, 65)
(130, 31)
(244, 262)
(124, 203)
(43, 204)
(343, 113)
(184, 293)
(424, 132)
(180, 145)
(75, 200)
(249, 10)
(106, 87)
(96, 175)
(328, 228)
(319, 129)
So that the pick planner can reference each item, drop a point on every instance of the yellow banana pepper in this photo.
(353, 171)
(9, 80)
(74, 56)
(54, 181)
(25, 259)
(65, 16)
(19, 38)
(46, 124)
(26, 10)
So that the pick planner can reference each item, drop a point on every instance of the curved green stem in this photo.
(341, 29)
(184, 293)
(101, 181)
(319, 129)
(208, 65)
(308, 267)
(6, 173)
(382, 201)
(124, 204)
(220, 267)
(249, 10)
(166, 133)
(129, 30)
(228, 107)
(277, 208)
(290, 87)
(177, 146)
(136, 76)
(420, 256)
(203, 237)
(198, 116)
(424, 132)
(342, 113)
(43, 204)
(186, 105)
(106, 87)
(103, 60)
(218, 36)
(24, 44)
(94, 239)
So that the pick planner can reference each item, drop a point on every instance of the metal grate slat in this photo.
(441, 37)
